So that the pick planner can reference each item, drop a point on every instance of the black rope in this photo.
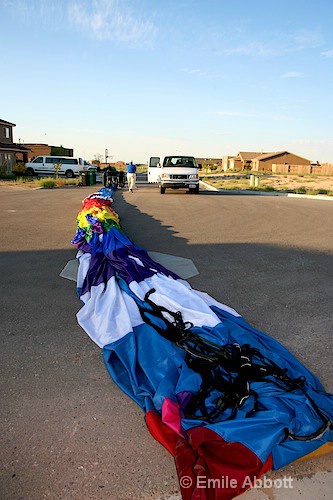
(227, 369)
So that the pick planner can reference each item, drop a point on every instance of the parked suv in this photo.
(70, 167)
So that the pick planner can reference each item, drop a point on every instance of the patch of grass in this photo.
(229, 184)
(47, 182)
(67, 182)
(72, 182)
(300, 190)
(312, 191)
(23, 180)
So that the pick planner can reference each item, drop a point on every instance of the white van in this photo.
(174, 172)
(70, 167)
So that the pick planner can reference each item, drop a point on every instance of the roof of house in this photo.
(4, 122)
(17, 148)
(248, 155)
(267, 156)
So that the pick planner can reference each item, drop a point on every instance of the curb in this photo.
(249, 192)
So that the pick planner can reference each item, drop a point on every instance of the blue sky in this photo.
(146, 78)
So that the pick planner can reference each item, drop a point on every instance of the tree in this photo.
(57, 167)
(98, 158)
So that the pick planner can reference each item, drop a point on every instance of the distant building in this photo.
(258, 162)
(243, 160)
(9, 150)
(265, 161)
(227, 163)
(61, 151)
(38, 149)
(209, 162)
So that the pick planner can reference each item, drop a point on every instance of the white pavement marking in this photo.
(179, 265)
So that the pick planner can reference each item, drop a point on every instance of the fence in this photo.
(324, 169)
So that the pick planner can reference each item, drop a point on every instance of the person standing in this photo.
(131, 176)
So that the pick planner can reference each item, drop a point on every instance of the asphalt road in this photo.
(67, 430)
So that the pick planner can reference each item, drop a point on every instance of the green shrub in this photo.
(322, 191)
(8, 176)
(300, 190)
(19, 169)
(47, 182)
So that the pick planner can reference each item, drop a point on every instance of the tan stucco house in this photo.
(243, 160)
(265, 161)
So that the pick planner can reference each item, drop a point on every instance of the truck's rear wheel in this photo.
(30, 172)
(162, 190)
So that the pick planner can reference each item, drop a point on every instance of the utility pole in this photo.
(106, 156)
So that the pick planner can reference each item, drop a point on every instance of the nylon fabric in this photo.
(114, 279)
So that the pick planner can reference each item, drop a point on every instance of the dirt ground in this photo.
(278, 182)
(31, 184)
(294, 181)
(8, 185)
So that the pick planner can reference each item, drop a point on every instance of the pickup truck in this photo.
(175, 172)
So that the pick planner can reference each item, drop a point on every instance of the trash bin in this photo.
(84, 178)
(92, 177)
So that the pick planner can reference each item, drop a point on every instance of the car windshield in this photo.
(180, 161)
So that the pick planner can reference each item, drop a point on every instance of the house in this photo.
(266, 160)
(39, 149)
(263, 161)
(243, 160)
(228, 163)
(9, 149)
(209, 162)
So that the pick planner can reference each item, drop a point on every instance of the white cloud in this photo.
(274, 44)
(250, 49)
(50, 11)
(306, 39)
(230, 113)
(292, 74)
(111, 20)
(327, 53)
(197, 72)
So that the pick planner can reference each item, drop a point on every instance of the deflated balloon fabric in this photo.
(114, 280)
